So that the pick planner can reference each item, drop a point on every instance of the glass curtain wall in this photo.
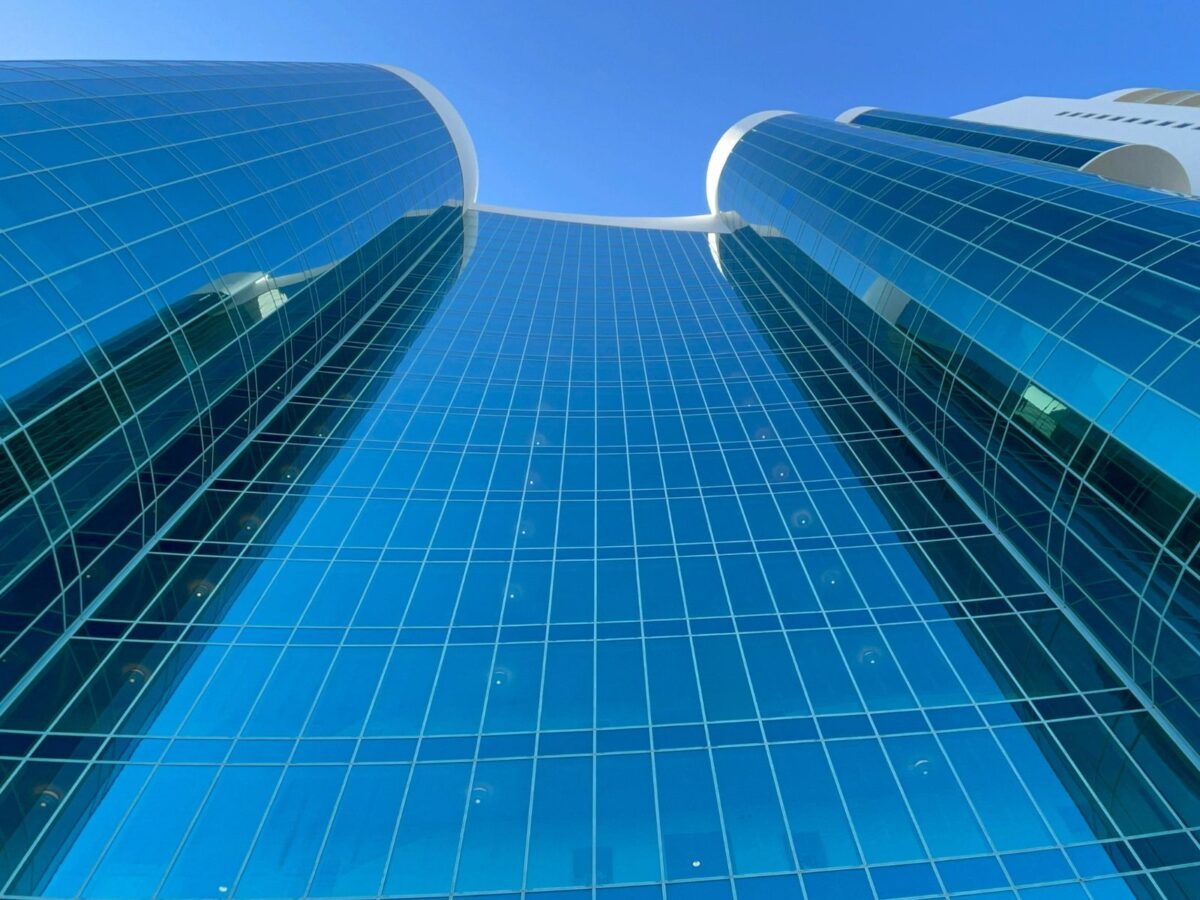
(587, 572)
(355, 542)
(177, 245)
(1035, 328)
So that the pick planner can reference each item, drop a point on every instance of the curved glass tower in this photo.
(181, 241)
(1034, 329)
(364, 541)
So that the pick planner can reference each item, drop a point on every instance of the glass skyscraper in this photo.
(360, 540)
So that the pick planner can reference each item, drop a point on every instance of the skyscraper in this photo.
(361, 540)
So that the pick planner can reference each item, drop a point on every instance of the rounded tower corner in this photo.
(724, 147)
(454, 124)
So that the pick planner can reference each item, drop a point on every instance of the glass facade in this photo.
(179, 241)
(1061, 149)
(563, 560)
(1037, 329)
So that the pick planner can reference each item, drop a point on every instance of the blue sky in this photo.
(614, 106)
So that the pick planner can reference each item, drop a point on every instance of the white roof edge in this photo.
(724, 147)
(454, 124)
(853, 113)
(704, 223)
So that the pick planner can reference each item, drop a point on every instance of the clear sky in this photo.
(614, 106)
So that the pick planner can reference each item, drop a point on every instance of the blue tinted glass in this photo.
(510, 555)
(463, 706)
(1011, 314)
(186, 293)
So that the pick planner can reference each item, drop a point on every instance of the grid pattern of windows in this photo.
(1037, 328)
(177, 242)
(585, 572)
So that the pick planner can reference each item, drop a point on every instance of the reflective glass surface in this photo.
(585, 570)
(354, 543)
(178, 241)
(1063, 149)
(1036, 329)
